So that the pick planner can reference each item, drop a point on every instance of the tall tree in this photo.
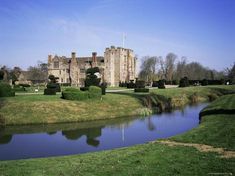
(168, 65)
(148, 68)
(231, 73)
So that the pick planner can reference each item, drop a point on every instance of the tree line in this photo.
(171, 68)
(37, 73)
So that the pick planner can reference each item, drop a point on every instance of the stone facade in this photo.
(117, 65)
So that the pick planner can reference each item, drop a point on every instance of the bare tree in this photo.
(148, 68)
(168, 65)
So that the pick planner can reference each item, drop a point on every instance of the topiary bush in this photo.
(95, 92)
(204, 82)
(52, 86)
(161, 84)
(141, 90)
(155, 84)
(75, 94)
(140, 84)
(49, 91)
(184, 82)
(6, 90)
(131, 84)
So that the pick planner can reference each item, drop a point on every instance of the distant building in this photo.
(117, 65)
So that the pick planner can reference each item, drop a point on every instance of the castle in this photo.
(117, 65)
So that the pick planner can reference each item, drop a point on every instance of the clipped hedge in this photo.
(6, 90)
(161, 84)
(19, 89)
(95, 92)
(141, 90)
(55, 86)
(184, 82)
(75, 94)
(49, 91)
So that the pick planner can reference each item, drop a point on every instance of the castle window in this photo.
(82, 70)
(60, 72)
(67, 70)
(56, 64)
(62, 80)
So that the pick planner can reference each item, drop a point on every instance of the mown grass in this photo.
(33, 109)
(153, 158)
(215, 130)
(147, 159)
(36, 109)
(225, 102)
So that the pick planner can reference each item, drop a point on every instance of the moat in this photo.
(19, 142)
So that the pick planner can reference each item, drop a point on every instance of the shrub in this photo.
(24, 85)
(161, 84)
(19, 89)
(131, 84)
(75, 94)
(140, 84)
(155, 84)
(55, 86)
(84, 88)
(49, 91)
(6, 90)
(95, 92)
(184, 82)
(204, 82)
(122, 84)
(141, 90)
(91, 78)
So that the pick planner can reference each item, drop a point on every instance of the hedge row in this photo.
(76, 94)
(141, 90)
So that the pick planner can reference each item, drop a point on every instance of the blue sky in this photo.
(201, 30)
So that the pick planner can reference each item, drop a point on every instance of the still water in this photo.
(73, 138)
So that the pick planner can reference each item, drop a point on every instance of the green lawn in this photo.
(154, 158)
(36, 109)
(225, 102)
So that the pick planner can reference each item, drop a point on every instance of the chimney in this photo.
(49, 58)
(94, 56)
(73, 55)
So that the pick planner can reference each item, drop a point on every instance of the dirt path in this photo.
(201, 147)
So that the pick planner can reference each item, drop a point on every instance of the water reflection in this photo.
(90, 133)
(5, 139)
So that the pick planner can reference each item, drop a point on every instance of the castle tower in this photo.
(119, 65)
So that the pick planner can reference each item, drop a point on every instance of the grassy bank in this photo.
(185, 154)
(36, 109)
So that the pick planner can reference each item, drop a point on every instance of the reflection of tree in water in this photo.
(51, 133)
(150, 124)
(5, 139)
(90, 133)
